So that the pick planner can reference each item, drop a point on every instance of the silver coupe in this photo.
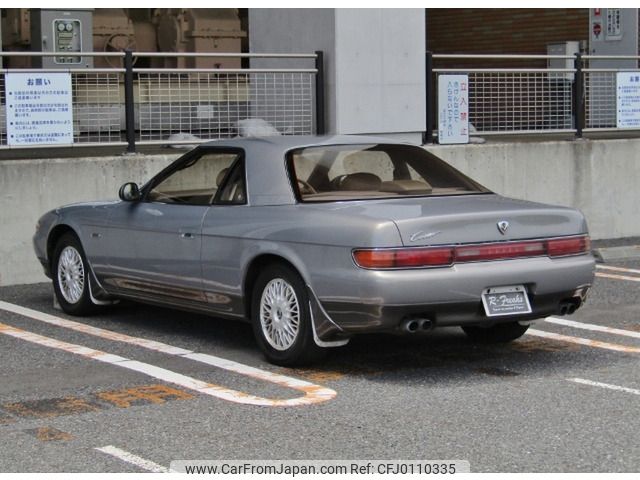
(316, 239)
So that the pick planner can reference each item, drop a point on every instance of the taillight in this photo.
(499, 251)
(404, 258)
(568, 246)
(446, 256)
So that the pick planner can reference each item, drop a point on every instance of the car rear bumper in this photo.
(453, 296)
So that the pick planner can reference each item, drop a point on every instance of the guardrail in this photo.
(132, 106)
(516, 95)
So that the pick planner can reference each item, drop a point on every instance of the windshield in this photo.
(359, 172)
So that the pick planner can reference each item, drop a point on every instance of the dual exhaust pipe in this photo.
(568, 307)
(414, 325)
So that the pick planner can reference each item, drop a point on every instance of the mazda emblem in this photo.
(503, 226)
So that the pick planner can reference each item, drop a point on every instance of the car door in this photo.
(223, 229)
(156, 242)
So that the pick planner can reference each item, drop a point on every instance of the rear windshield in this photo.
(360, 172)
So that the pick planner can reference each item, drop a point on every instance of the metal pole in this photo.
(129, 110)
(427, 137)
(320, 120)
(578, 101)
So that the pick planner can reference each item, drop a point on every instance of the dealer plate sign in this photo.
(500, 301)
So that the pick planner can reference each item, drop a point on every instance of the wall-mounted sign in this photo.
(453, 109)
(614, 23)
(38, 108)
(628, 99)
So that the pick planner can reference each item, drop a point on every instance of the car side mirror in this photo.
(129, 192)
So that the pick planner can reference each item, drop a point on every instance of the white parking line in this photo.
(617, 269)
(583, 341)
(313, 393)
(618, 277)
(317, 394)
(592, 327)
(128, 457)
(604, 385)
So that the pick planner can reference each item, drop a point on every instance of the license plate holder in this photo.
(502, 301)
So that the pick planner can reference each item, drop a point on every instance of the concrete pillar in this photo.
(374, 63)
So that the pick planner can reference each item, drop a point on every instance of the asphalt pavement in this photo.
(564, 398)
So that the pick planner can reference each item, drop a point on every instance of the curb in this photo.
(608, 254)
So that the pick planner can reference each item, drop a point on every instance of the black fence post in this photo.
(578, 92)
(129, 110)
(320, 120)
(427, 136)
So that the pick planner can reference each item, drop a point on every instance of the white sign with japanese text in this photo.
(453, 109)
(38, 108)
(628, 99)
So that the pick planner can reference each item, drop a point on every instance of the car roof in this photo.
(284, 143)
(267, 179)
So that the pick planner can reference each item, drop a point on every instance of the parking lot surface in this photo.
(135, 387)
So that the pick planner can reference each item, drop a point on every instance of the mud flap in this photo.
(323, 327)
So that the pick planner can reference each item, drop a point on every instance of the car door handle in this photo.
(187, 235)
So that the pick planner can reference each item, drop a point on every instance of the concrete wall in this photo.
(600, 177)
(380, 66)
(374, 63)
(29, 188)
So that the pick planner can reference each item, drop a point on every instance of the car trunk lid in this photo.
(474, 218)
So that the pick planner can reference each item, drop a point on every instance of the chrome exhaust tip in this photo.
(426, 324)
(411, 326)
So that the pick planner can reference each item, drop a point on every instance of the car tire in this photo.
(71, 276)
(281, 319)
(500, 333)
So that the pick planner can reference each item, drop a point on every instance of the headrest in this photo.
(361, 181)
(221, 176)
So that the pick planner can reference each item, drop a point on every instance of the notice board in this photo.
(453, 109)
(38, 108)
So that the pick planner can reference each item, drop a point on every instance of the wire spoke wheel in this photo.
(279, 314)
(71, 275)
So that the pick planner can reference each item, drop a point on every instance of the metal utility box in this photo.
(67, 31)
(564, 48)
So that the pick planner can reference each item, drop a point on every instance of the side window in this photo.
(196, 182)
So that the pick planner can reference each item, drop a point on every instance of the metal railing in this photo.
(510, 98)
(144, 106)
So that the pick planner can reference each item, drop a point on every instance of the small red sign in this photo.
(597, 29)
(597, 11)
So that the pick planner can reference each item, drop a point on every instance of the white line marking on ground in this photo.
(128, 457)
(618, 277)
(313, 393)
(604, 385)
(583, 341)
(316, 393)
(590, 326)
(617, 269)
